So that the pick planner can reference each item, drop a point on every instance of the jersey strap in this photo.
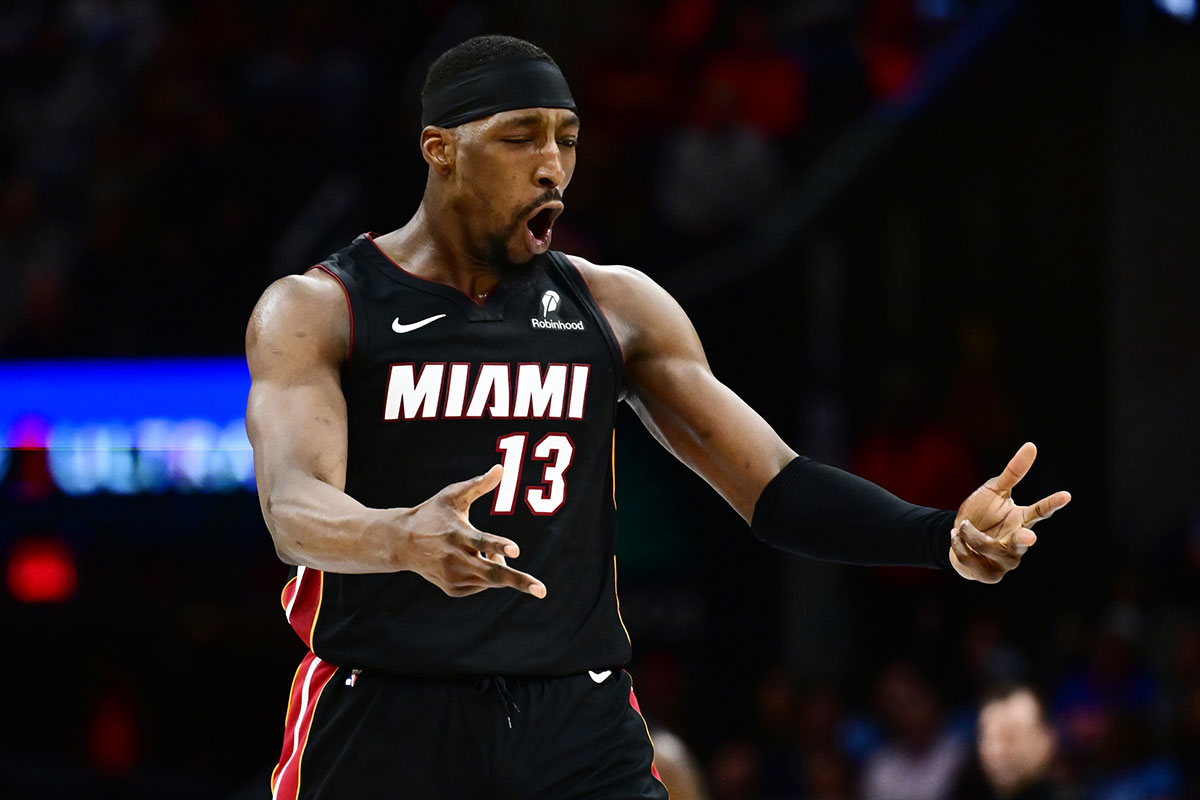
(572, 276)
(338, 266)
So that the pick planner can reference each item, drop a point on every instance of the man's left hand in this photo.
(992, 532)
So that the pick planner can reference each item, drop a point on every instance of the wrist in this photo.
(390, 537)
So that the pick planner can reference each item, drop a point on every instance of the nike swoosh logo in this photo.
(600, 677)
(400, 327)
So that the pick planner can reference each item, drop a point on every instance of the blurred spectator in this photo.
(685, 25)
(910, 450)
(626, 83)
(988, 657)
(1105, 710)
(777, 716)
(735, 771)
(1132, 765)
(980, 408)
(717, 172)
(677, 767)
(1016, 745)
(828, 775)
(1113, 683)
(764, 86)
(922, 758)
(913, 452)
(888, 43)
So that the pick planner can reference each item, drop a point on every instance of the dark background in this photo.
(912, 233)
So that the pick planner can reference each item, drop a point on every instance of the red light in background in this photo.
(41, 570)
(114, 740)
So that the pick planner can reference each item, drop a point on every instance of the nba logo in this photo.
(549, 302)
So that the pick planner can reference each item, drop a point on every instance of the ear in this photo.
(437, 147)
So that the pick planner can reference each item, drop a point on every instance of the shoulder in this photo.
(612, 282)
(310, 310)
(638, 309)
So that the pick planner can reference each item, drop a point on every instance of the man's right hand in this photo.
(444, 548)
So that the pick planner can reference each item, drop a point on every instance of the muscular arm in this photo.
(793, 503)
(296, 418)
(677, 397)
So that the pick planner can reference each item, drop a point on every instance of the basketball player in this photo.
(432, 419)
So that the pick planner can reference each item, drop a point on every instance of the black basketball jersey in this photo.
(438, 389)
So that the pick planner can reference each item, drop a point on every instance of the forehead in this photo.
(543, 117)
(1018, 710)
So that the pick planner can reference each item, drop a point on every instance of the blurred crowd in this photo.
(161, 162)
(1106, 706)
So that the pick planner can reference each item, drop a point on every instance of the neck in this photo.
(430, 248)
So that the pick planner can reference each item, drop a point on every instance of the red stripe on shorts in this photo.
(633, 702)
(303, 603)
(311, 679)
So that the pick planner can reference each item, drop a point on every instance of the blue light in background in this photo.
(128, 426)
(1183, 9)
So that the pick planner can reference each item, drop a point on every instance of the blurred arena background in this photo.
(912, 233)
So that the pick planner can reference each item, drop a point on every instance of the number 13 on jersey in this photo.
(556, 450)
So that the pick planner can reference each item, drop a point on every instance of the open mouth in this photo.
(541, 224)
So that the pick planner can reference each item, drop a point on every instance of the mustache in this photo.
(548, 196)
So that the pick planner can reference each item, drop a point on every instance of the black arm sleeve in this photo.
(823, 512)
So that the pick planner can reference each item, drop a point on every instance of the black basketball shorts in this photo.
(368, 736)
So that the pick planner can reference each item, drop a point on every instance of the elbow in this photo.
(285, 555)
(285, 551)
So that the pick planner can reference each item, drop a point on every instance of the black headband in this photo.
(490, 89)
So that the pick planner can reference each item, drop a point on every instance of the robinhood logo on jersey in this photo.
(549, 320)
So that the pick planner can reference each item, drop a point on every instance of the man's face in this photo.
(509, 175)
(1015, 744)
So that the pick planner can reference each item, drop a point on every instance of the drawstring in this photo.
(501, 686)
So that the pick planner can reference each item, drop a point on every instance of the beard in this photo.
(508, 271)
(496, 252)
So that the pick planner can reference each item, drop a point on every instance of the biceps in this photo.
(710, 429)
(297, 428)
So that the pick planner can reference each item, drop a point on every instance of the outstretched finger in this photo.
(466, 492)
(1016, 469)
(1043, 508)
(1024, 539)
(497, 576)
(488, 545)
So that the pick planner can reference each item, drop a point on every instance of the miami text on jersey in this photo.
(556, 391)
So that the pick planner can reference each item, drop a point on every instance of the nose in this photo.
(550, 173)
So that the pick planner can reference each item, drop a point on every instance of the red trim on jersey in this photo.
(311, 679)
(371, 238)
(349, 305)
(633, 702)
(305, 603)
(571, 260)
